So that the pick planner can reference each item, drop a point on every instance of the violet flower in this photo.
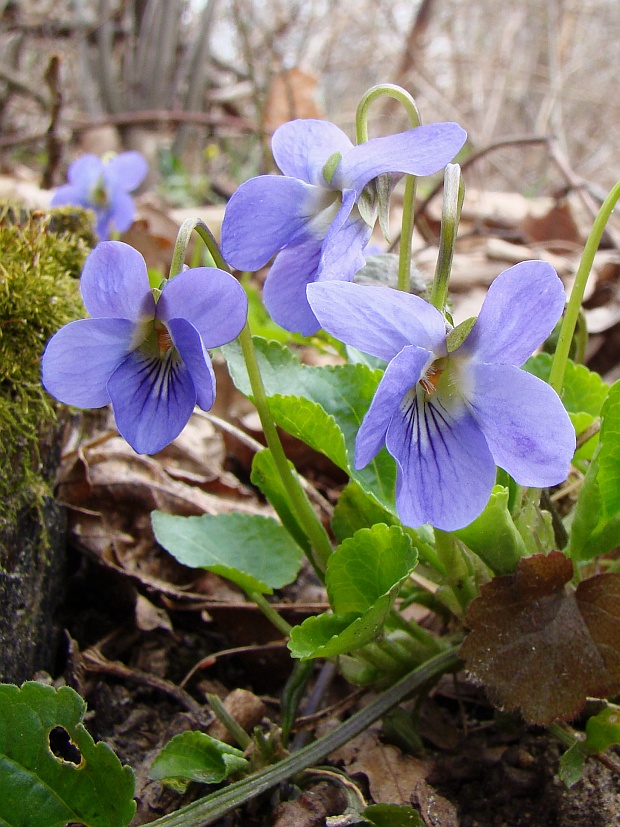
(448, 418)
(104, 186)
(319, 215)
(148, 358)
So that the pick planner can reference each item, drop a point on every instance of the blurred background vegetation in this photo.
(199, 85)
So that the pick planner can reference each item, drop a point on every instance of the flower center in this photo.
(430, 380)
(99, 194)
(164, 339)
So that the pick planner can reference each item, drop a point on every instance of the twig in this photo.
(52, 139)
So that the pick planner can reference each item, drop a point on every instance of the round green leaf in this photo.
(255, 552)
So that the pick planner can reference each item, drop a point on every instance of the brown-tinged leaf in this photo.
(540, 646)
(599, 603)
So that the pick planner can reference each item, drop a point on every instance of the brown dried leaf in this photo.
(391, 775)
(540, 646)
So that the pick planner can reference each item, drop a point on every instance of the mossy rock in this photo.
(42, 258)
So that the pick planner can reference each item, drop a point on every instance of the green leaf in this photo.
(583, 395)
(368, 566)
(255, 552)
(595, 528)
(42, 790)
(457, 336)
(195, 756)
(571, 765)
(493, 535)
(334, 401)
(355, 509)
(602, 730)
(265, 477)
(363, 578)
(392, 815)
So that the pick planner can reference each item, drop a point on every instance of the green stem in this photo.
(180, 247)
(210, 809)
(361, 120)
(224, 717)
(558, 366)
(422, 636)
(270, 613)
(453, 195)
(308, 519)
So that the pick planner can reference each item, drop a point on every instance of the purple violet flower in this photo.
(448, 418)
(318, 215)
(148, 358)
(104, 186)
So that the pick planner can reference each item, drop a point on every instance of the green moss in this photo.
(42, 258)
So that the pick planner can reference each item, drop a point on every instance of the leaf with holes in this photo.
(195, 756)
(41, 788)
(256, 553)
(541, 646)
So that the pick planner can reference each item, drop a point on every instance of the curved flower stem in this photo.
(302, 508)
(180, 247)
(361, 121)
(558, 366)
(210, 809)
(453, 195)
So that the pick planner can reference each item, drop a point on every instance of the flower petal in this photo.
(342, 254)
(211, 300)
(115, 283)
(377, 320)
(420, 151)
(84, 172)
(445, 469)
(152, 399)
(524, 422)
(125, 171)
(400, 376)
(102, 225)
(284, 291)
(191, 349)
(302, 147)
(122, 211)
(519, 312)
(264, 215)
(81, 357)
(70, 194)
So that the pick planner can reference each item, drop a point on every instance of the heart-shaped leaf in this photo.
(256, 553)
(40, 789)
(541, 646)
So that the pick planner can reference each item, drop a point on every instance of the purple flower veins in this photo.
(147, 357)
(318, 216)
(104, 186)
(449, 418)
